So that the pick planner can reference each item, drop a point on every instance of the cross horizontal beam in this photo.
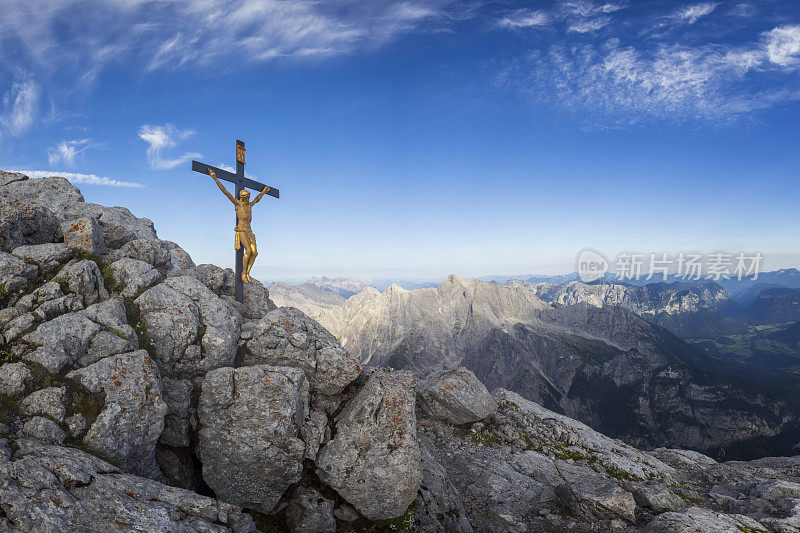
(233, 178)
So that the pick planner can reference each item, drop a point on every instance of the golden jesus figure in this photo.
(244, 233)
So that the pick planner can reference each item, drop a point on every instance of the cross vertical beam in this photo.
(240, 150)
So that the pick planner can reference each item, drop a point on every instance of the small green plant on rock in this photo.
(9, 409)
(404, 522)
(563, 453)
(75, 443)
(116, 332)
(615, 472)
(505, 405)
(485, 436)
(64, 284)
(6, 356)
(108, 278)
(745, 529)
(41, 378)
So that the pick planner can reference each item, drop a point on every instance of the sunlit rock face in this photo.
(131, 382)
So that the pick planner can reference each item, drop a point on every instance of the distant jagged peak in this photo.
(395, 288)
(343, 286)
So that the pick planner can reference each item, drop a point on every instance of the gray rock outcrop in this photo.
(249, 440)
(455, 396)
(132, 416)
(374, 460)
(192, 330)
(286, 336)
(44, 487)
(84, 236)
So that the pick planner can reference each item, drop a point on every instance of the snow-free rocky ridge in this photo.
(137, 395)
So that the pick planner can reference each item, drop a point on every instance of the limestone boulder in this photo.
(24, 221)
(13, 377)
(455, 396)
(133, 276)
(179, 259)
(132, 416)
(44, 429)
(46, 487)
(701, 520)
(149, 251)
(84, 236)
(595, 498)
(85, 279)
(249, 440)
(49, 257)
(53, 358)
(65, 202)
(116, 336)
(71, 333)
(286, 336)
(14, 329)
(374, 461)
(15, 274)
(256, 302)
(10, 177)
(45, 402)
(192, 329)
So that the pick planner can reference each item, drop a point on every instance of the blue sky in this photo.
(422, 137)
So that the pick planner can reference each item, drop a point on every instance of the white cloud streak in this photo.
(589, 25)
(171, 34)
(783, 46)
(620, 85)
(66, 151)
(525, 19)
(81, 179)
(162, 138)
(20, 106)
(68, 43)
(691, 14)
(581, 16)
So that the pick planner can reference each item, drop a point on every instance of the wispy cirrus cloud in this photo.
(67, 44)
(65, 152)
(589, 25)
(81, 179)
(580, 16)
(160, 139)
(691, 14)
(171, 34)
(20, 106)
(525, 19)
(615, 85)
(783, 46)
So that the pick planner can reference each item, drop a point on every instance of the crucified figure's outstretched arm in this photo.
(221, 186)
(260, 195)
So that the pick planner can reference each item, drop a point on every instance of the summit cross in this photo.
(245, 239)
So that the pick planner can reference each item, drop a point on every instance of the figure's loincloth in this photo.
(237, 242)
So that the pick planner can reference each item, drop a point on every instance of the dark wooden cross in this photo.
(241, 183)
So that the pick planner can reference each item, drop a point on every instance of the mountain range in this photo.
(641, 363)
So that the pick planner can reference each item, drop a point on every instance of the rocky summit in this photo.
(136, 394)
